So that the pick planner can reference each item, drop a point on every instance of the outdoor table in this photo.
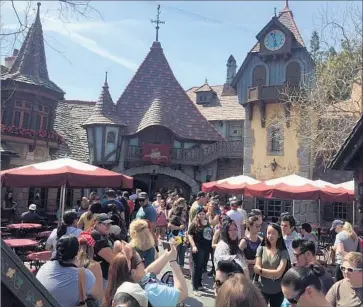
(44, 234)
(22, 230)
(37, 259)
(16, 243)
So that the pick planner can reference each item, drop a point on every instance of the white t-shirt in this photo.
(52, 239)
(244, 214)
(237, 217)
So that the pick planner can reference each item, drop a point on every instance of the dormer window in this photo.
(205, 94)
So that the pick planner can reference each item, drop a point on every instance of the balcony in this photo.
(195, 156)
(265, 93)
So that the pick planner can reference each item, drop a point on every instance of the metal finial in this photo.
(38, 12)
(106, 77)
(157, 22)
(206, 80)
(275, 11)
(286, 4)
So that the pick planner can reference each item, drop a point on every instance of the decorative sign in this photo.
(156, 153)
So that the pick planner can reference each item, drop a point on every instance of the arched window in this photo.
(293, 73)
(259, 75)
(111, 137)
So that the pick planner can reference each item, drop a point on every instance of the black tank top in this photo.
(251, 249)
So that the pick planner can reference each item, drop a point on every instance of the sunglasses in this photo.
(299, 254)
(296, 299)
(218, 283)
(350, 270)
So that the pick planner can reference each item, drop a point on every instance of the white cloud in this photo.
(70, 31)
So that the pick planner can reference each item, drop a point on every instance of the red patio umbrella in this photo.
(69, 172)
(62, 173)
(235, 184)
(291, 187)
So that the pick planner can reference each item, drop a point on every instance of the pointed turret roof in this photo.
(155, 97)
(104, 111)
(30, 65)
(286, 17)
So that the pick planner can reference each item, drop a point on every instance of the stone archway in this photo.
(149, 169)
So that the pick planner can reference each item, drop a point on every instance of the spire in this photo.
(157, 22)
(31, 63)
(231, 69)
(104, 110)
(105, 84)
(206, 80)
(286, 5)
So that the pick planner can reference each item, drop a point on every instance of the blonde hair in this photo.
(85, 255)
(141, 236)
(349, 229)
(354, 258)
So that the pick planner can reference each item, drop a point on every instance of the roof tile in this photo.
(30, 65)
(155, 97)
(104, 110)
(225, 106)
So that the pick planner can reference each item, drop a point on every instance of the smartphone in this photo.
(166, 245)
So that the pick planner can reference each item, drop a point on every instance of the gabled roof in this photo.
(30, 65)
(204, 88)
(352, 145)
(70, 115)
(155, 97)
(104, 111)
(224, 107)
(286, 18)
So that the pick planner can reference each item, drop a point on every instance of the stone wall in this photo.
(229, 167)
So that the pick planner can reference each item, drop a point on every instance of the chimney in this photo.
(231, 69)
(9, 61)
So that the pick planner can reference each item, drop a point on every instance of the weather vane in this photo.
(157, 22)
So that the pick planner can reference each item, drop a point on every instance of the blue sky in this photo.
(197, 39)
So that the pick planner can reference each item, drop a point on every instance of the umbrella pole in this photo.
(319, 215)
(63, 197)
(293, 208)
(353, 213)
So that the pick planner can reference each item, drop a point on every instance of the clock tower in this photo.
(279, 57)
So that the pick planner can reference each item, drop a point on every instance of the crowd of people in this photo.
(106, 253)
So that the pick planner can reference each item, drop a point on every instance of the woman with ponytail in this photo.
(301, 286)
(60, 275)
(68, 227)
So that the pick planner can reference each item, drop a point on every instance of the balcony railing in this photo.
(265, 93)
(196, 156)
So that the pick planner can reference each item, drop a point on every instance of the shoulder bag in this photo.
(84, 301)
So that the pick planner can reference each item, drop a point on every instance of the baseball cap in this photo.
(116, 230)
(103, 218)
(142, 195)
(135, 291)
(33, 207)
(336, 223)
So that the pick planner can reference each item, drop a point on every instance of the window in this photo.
(41, 117)
(293, 73)
(21, 116)
(235, 130)
(111, 137)
(340, 211)
(68, 198)
(259, 75)
(274, 207)
(38, 196)
(275, 140)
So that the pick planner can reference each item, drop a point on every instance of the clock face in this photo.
(274, 40)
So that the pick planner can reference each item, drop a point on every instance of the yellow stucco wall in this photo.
(288, 162)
